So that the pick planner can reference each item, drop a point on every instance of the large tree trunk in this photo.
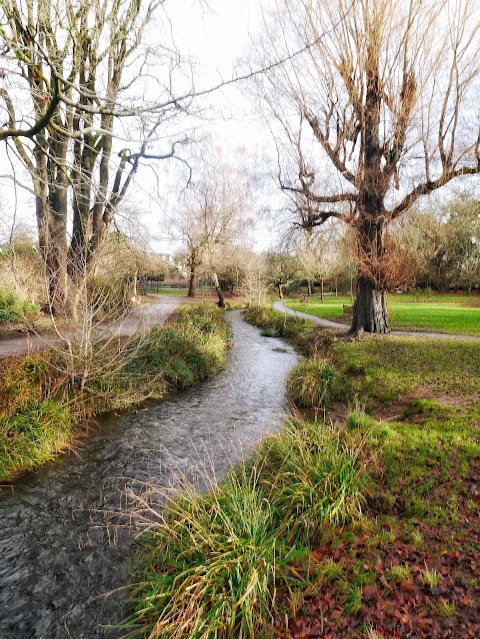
(370, 308)
(56, 274)
(191, 281)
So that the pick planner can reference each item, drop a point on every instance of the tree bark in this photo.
(221, 298)
(370, 308)
(191, 281)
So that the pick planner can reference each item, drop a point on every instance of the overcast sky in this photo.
(218, 39)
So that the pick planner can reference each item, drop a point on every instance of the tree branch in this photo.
(13, 132)
(431, 185)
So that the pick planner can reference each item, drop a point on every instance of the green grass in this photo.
(212, 568)
(41, 406)
(169, 291)
(314, 383)
(275, 324)
(183, 354)
(454, 314)
(382, 369)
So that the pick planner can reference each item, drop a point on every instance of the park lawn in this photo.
(410, 566)
(443, 317)
(169, 291)
(454, 314)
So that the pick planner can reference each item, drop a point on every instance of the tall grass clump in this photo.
(13, 308)
(314, 383)
(34, 435)
(182, 354)
(211, 570)
(212, 567)
(320, 478)
(276, 324)
(34, 422)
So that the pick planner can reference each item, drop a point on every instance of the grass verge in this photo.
(41, 407)
(376, 523)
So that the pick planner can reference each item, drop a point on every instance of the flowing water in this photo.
(57, 556)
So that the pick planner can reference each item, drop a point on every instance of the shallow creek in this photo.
(58, 557)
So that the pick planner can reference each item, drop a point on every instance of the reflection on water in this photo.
(56, 559)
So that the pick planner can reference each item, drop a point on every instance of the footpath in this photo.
(141, 319)
(280, 306)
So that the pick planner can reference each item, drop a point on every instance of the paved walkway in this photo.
(280, 306)
(141, 319)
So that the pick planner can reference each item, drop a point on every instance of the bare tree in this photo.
(214, 216)
(283, 269)
(76, 65)
(254, 284)
(314, 249)
(388, 92)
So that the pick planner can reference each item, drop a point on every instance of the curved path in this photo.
(142, 318)
(280, 306)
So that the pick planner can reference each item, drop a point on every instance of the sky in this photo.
(218, 38)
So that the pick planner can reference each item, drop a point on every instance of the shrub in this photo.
(314, 383)
(13, 308)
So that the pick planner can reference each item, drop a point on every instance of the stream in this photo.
(58, 556)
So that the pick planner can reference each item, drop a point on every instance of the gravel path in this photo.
(140, 319)
(280, 306)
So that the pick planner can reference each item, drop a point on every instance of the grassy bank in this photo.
(41, 406)
(454, 314)
(368, 528)
(214, 566)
